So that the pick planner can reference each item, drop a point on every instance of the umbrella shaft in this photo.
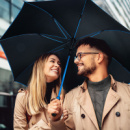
(58, 97)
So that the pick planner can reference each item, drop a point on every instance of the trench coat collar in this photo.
(85, 102)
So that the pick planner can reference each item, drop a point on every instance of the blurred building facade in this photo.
(118, 9)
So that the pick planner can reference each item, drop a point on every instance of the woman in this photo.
(31, 105)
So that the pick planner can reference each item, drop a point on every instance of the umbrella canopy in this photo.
(63, 18)
(23, 50)
(56, 26)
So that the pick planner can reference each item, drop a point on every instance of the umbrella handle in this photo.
(58, 97)
(54, 114)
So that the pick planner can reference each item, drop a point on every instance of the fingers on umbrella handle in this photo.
(53, 114)
(58, 97)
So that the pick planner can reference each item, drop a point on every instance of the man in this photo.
(100, 103)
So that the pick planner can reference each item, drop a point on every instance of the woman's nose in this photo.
(56, 64)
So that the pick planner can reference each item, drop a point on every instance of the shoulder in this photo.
(124, 86)
(74, 92)
(123, 89)
(20, 102)
(21, 95)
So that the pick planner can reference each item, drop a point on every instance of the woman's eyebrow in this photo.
(52, 58)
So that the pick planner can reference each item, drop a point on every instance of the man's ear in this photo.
(100, 57)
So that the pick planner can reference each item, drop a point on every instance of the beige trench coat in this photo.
(116, 113)
(37, 122)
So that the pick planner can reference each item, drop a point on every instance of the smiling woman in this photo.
(52, 68)
(31, 104)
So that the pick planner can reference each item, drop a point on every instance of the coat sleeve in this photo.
(20, 121)
(68, 124)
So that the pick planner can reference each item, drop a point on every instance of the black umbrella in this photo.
(56, 26)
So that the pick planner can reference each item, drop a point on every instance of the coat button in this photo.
(117, 114)
(83, 116)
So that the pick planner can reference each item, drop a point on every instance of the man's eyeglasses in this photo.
(80, 55)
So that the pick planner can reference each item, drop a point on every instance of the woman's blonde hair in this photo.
(35, 99)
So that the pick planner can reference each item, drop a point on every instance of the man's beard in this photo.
(87, 70)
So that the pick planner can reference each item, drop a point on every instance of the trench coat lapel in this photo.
(85, 103)
(111, 99)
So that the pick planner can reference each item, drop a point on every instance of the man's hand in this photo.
(65, 114)
(55, 106)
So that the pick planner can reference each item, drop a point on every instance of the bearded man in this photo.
(100, 103)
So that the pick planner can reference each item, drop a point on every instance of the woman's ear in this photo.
(100, 57)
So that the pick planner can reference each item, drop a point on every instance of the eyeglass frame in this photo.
(76, 57)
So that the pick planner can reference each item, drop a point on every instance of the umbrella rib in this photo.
(61, 27)
(58, 47)
(40, 9)
(96, 33)
(80, 19)
(108, 30)
(53, 19)
(50, 38)
(121, 65)
(91, 34)
(116, 30)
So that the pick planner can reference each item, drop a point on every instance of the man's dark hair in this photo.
(98, 44)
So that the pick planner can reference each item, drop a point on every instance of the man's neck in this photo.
(98, 76)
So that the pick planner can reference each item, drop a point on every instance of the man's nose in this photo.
(76, 60)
